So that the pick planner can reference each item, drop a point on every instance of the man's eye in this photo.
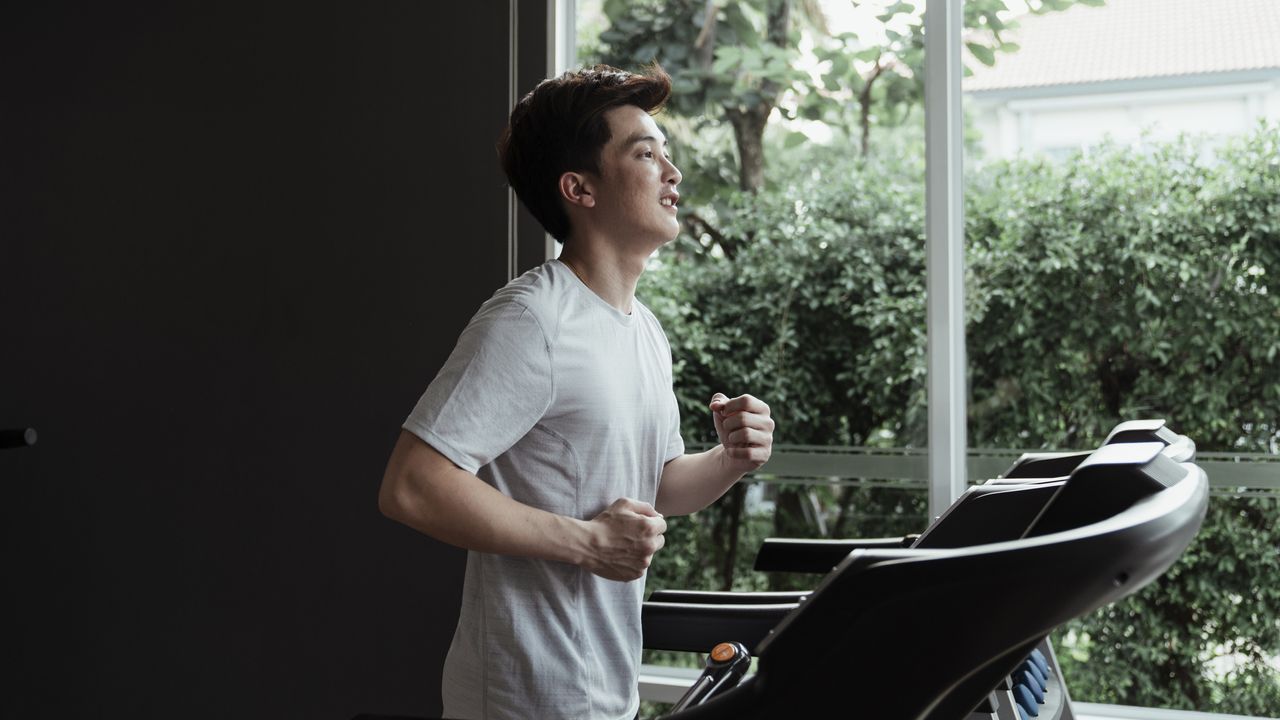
(648, 153)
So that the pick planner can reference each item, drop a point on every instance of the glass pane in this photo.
(799, 273)
(1122, 178)
(1203, 636)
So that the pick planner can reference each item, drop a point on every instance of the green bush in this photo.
(1119, 284)
(1143, 284)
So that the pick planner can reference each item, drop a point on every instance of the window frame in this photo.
(944, 220)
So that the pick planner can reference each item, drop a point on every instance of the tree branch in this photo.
(864, 104)
(706, 42)
(728, 246)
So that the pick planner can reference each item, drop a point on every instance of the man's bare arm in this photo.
(692, 482)
(426, 491)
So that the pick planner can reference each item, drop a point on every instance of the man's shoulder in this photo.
(538, 284)
(539, 295)
(644, 312)
(649, 318)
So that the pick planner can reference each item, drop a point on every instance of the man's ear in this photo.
(576, 190)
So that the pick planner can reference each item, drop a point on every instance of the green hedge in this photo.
(1119, 284)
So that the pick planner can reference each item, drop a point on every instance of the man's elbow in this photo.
(393, 494)
(395, 497)
(388, 501)
(409, 492)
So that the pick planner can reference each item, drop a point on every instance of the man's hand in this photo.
(623, 540)
(692, 482)
(745, 430)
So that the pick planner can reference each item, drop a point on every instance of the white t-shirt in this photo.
(564, 403)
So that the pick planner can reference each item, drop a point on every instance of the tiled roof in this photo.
(1131, 39)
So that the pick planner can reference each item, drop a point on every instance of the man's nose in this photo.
(673, 175)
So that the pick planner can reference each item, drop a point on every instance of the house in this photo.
(1159, 67)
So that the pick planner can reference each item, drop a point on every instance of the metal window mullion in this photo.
(944, 232)
(562, 55)
(513, 85)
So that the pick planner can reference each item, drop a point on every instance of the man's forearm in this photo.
(427, 492)
(691, 482)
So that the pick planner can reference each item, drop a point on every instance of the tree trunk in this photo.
(788, 522)
(840, 528)
(748, 131)
(864, 106)
(706, 42)
(748, 122)
(737, 500)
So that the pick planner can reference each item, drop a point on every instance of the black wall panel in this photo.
(236, 242)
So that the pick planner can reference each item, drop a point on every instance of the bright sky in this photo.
(848, 16)
(860, 17)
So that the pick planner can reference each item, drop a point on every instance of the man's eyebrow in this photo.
(637, 137)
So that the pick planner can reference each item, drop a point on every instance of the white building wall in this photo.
(1058, 125)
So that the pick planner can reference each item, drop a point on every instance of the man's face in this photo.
(635, 192)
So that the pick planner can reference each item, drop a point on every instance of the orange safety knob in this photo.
(723, 652)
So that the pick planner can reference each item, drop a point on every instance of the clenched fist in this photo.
(623, 540)
(745, 430)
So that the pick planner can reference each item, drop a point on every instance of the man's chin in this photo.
(662, 242)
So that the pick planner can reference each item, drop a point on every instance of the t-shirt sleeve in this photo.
(492, 390)
(675, 443)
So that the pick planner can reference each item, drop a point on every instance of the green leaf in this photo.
(743, 28)
(614, 9)
(794, 140)
(1053, 6)
(840, 65)
(727, 57)
(982, 52)
(871, 54)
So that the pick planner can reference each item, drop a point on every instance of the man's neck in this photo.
(609, 274)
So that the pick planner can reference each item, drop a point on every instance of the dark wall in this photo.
(236, 242)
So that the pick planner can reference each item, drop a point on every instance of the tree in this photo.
(735, 60)
(1125, 283)
(1112, 286)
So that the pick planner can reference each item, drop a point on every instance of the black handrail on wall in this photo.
(16, 438)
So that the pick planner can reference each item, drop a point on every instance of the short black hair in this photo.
(560, 127)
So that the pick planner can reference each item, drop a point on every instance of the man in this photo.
(548, 445)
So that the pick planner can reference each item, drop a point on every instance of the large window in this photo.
(1115, 269)
(1122, 265)
(799, 274)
